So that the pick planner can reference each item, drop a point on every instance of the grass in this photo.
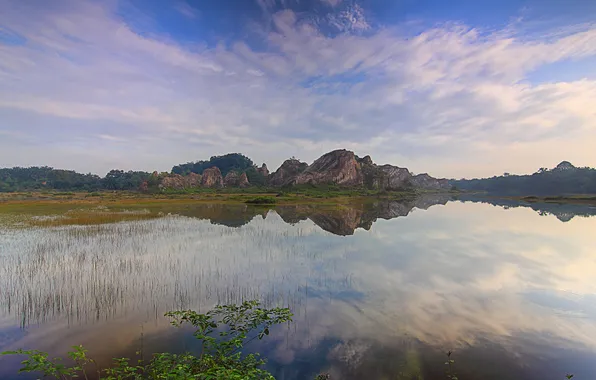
(294, 195)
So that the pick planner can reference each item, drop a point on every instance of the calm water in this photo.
(379, 291)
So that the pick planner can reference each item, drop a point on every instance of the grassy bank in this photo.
(292, 196)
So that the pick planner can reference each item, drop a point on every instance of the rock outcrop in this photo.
(424, 181)
(564, 165)
(342, 167)
(263, 170)
(385, 177)
(233, 179)
(179, 182)
(212, 177)
(287, 173)
(338, 167)
(243, 181)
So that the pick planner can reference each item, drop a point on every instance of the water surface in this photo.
(379, 290)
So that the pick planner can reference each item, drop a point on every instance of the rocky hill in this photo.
(339, 168)
(343, 168)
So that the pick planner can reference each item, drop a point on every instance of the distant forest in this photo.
(565, 179)
(39, 178)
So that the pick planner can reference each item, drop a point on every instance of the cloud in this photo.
(186, 9)
(351, 19)
(451, 100)
(333, 3)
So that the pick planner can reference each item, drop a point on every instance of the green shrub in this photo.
(223, 332)
(262, 201)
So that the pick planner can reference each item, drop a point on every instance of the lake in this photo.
(379, 290)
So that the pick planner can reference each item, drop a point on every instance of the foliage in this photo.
(255, 178)
(36, 178)
(226, 163)
(121, 180)
(262, 201)
(223, 331)
(543, 182)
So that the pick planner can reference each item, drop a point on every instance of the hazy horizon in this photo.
(459, 90)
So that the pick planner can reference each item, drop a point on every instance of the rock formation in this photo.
(287, 173)
(179, 182)
(263, 170)
(233, 179)
(424, 181)
(564, 165)
(338, 167)
(212, 177)
(344, 168)
(243, 181)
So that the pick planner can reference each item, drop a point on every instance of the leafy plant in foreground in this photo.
(223, 331)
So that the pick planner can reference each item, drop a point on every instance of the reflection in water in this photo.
(511, 292)
(563, 211)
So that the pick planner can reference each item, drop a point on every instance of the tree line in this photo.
(45, 177)
(542, 183)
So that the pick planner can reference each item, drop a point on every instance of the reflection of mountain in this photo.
(564, 212)
(338, 219)
(345, 219)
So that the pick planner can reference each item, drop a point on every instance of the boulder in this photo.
(212, 178)
(287, 172)
(338, 167)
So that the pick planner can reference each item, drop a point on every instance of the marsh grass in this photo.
(147, 265)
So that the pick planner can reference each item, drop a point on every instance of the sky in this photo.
(456, 89)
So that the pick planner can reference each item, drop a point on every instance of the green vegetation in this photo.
(223, 331)
(262, 201)
(544, 182)
(46, 178)
(35, 178)
(229, 162)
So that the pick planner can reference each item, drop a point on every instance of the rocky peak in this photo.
(425, 181)
(212, 177)
(263, 170)
(565, 165)
(287, 172)
(338, 167)
(367, 160)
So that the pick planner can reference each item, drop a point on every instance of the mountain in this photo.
(563, 179)
(343, 168)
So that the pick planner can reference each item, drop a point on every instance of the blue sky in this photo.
(472, 88)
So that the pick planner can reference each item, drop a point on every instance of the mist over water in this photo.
(378, 291)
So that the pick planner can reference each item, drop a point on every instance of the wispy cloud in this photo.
(431, 100)
(186, 10)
